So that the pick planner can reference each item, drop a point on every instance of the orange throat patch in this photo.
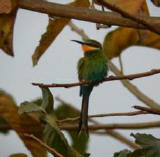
(86, 48)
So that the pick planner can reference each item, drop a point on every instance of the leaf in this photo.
(6, 30)
(80, 142)
(27, 107)
(21, 124)
(130, 6)
(40, 105)
(55, 26)
(18, 155)
(156, 2)
(150, 147)
(55, 138)
(5, 6)
(47, 101)
(123, 153)
(112, 46)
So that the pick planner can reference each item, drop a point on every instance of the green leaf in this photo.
(18, 155)
(150, 144)
(47, 101)
(27, 107)
(55, 138)
(123, 153)
(80, 142)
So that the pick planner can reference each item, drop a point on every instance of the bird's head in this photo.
(89, 45)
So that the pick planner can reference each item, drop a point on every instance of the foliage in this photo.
(51, 133)
(150, 147)
(39, 117)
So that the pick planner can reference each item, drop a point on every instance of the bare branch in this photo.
(146, 109)
(110, 78)
(81, 13)
(134, 90)
(106, 115)
(78, 31)
(50, 149)
(116, 135)
(125, 126)
(138, 19)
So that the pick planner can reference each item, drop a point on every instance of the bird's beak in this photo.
(79, 42)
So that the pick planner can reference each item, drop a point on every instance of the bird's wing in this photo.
(80, 68)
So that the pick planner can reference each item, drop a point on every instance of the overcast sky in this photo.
(58, 65)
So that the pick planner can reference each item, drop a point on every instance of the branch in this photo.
(81, 13)
(116, 135)
(146, 109)
(138, 19)
(134, 90)
(105, 115)
(144, 125)
(78, 31)
(110, 78)
(50, 149)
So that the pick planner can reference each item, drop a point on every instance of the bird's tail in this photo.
(83, 123)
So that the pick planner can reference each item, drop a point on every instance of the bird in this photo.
(91, 67)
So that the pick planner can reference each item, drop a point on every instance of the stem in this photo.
(50, 149)
(125, 126)
(81, 13)
(110, 78)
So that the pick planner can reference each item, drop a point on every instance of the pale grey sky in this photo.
(58, 65)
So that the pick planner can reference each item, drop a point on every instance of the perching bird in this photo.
(92, 67)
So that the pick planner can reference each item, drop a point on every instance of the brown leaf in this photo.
(118, 40)
(5, 6)
(130, 6)
(7, 24)
(55, 26)
(21, 124)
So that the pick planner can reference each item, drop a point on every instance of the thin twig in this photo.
(51, 150)
(112, 133)
(116, 135)
(106, 115)
(120, 63)
(134, 90)
(125, 14)
(125, 126)
(110, 78)
(146, 109)
(81, 13)
(78, 31)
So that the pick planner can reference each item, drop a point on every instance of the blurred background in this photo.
(58, 65)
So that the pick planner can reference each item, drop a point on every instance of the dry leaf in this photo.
(118, 40)
(6, 28)
(130, 6)
(21, 124)
(55, 26)
(5, 6)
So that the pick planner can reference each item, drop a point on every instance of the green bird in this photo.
(92, 67)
